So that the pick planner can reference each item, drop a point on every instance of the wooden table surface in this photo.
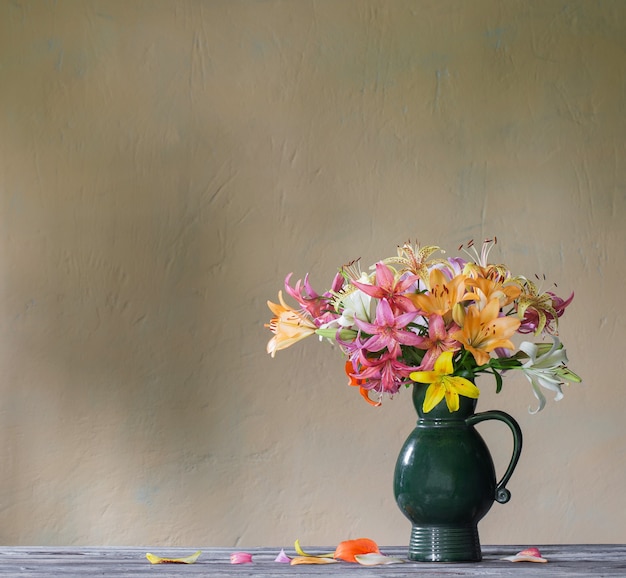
(65, 562)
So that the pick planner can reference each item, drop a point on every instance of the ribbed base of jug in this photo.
(443, 543)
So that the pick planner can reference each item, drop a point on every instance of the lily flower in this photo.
(484, 290)
(535, 319)
(414, 259)
(354, 304)
(388, 330)
(540, 309)
(484, 330)
(384, 374)
(314, 304)
(355, 382)
(481, 267)
(289, 326)
(546, 367)
(442, 295)
(389, 288)
(438, 341)
(444, 384)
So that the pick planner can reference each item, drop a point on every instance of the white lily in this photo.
(356, 304)
(546, 367)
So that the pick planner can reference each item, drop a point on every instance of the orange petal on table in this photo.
(374, 559)
(527, 555)
(349, 548)
(187, 560)
(311, 560)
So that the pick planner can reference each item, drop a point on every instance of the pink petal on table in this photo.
(527, 555)
(282, 557)
(240, 558)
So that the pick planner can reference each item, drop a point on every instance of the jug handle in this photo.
(502, 494)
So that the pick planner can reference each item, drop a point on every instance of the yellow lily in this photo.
(444, 384)
(289, 326)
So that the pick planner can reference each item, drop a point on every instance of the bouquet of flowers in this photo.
(441, 322)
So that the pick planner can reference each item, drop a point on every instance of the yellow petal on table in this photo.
(312, 560)
(375, 559)
(187, 560)
(301, 552)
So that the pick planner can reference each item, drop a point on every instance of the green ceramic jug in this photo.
(444, 480)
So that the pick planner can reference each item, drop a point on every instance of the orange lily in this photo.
(442, 296)
(481, 268)
(289, 326)
(353, 381)
(483, 331)
(484, 290)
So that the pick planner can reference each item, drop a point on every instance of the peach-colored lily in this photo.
(289, 326)
(483, 331)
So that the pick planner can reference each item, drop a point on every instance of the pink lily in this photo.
(388, 288)
(384, 374)
(388, 329)
(316, 305)
(437, 342)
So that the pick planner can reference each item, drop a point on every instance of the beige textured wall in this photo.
(163, 166)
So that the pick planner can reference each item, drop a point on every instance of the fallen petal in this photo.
(374, 559)
(282, 557)
(187, 560)
(348, 549)
(312, 560)
(527, 555)
(301, 552)
(240, 558)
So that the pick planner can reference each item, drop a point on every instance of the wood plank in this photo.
(51, 562)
